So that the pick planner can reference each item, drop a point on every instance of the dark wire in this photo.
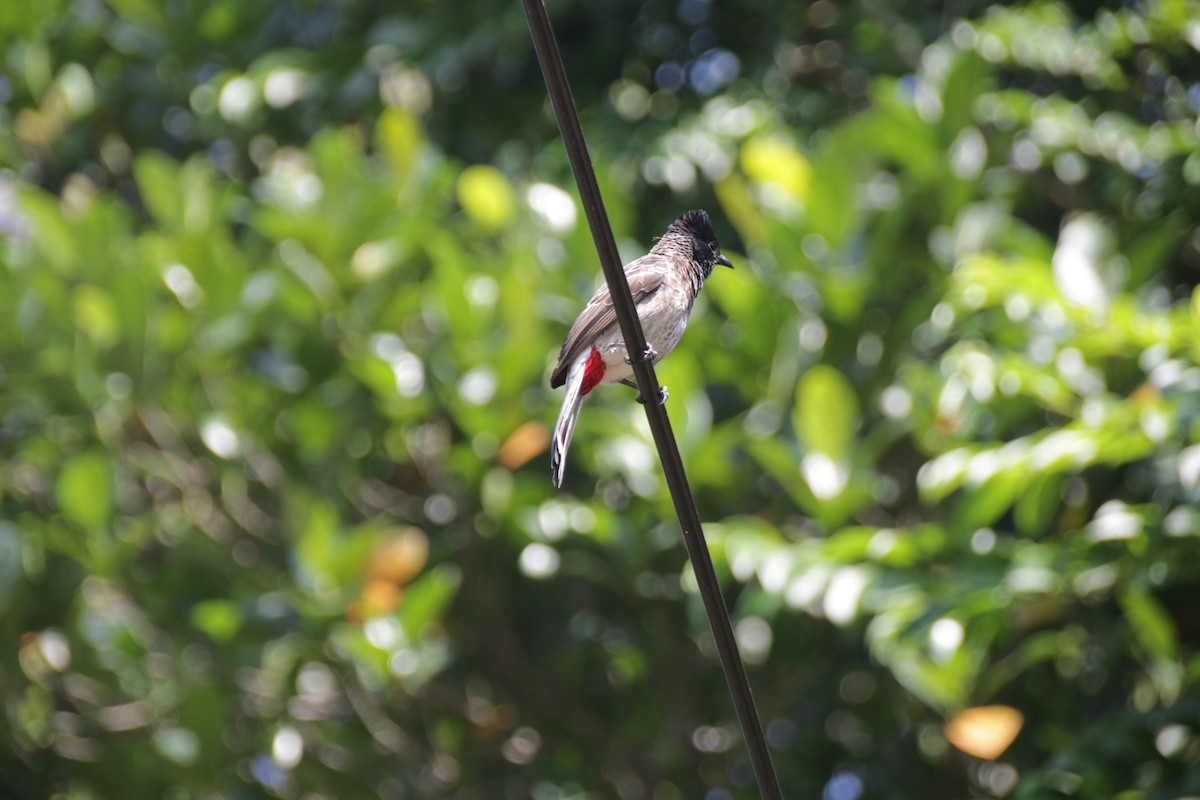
(668, 451)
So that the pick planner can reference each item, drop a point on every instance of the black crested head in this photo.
(697, 223)
(697, 226)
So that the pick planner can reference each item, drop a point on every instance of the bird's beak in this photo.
(722, 260)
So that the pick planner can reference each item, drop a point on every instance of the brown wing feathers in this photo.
(599, 314)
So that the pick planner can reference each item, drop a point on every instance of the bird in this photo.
(664, 284)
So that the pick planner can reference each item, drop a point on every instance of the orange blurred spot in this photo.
(526, 442)
(1145, 395)
(399, 557)
(379, 597)
(984, 731)
(946, 424)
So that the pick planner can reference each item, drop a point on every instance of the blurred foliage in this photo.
(283, 284)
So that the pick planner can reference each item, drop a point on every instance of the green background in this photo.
(281, 285)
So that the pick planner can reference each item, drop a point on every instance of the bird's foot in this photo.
(663, 394)
(649, 354)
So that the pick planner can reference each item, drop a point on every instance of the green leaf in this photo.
(315, 427)
(54, 235)
(10, 563)
(893, 132)
(1151, 624)
(829, 202)
(426, 599)
(1037, 506)
(399, 137)
(318, 522)
(628, 662)
(218, 20)
(157, 178)
(747, 541)
(964, 82)
(375, 374)
(739, 207)
(95, 313)
(771, 159)
(85, 490)
(844, 292)
(739, 293)
(487, 197)
(145, 11)
(826, 411)
(1148, 252)
(986, 504)
(219, 619)
(946, 686)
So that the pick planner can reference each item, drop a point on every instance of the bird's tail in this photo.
(564, 429)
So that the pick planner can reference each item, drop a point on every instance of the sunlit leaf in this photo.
(1037, 505)
(95, 313)
(522, 445)
(486, 196)
(85, 490)
(158, 181)
(826, 411)
(219, 619)
(984, 505)
(984, 731)
(775, 160)
(1149, 622)
(399, 137)
(399, 556)
(739, 207)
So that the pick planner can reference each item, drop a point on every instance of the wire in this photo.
(660, 425)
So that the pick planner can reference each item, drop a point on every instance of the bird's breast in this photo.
(663, 331)
(664, 317)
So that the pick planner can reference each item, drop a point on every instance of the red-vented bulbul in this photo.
(664, 284)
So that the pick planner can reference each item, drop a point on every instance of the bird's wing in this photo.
(645, 276)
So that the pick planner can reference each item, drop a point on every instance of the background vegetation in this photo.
(281, 285)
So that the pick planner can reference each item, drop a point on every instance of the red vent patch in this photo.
(593, 371)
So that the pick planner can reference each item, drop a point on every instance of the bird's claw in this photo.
(649, 354)
(663, 394)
